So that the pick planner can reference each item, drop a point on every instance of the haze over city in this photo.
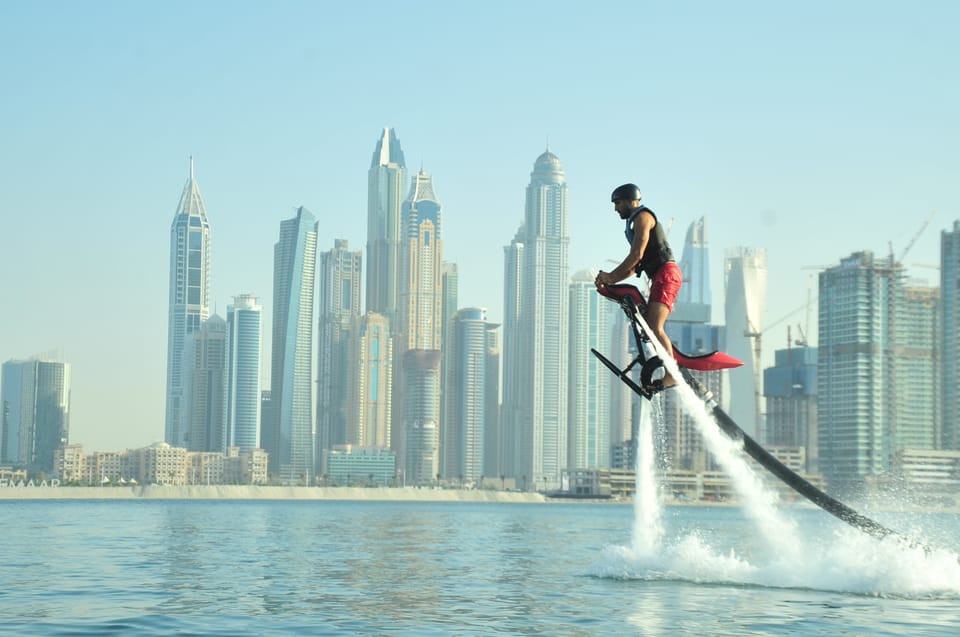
(812, 132)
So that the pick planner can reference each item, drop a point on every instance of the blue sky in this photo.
(811, 130)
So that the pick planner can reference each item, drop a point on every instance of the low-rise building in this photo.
(245, 467)
(160, 464)
(9, 475)
(349, 465)
(69, 464)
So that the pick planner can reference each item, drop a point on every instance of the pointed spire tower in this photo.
(694, 301)
(420, 294)
(385, 184)
(419, 332)
(189, 304)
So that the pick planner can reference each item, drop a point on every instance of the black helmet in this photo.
(627, 192)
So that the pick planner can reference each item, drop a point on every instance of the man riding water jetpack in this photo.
(650, 254)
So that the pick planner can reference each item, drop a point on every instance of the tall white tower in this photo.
(189, 304)
(244, 355)
(510, 443)
(341, 286)
(290, 440)
(539, 339)
(470, 424)
(386, 181)
(204, 382)
(419, 331)
(588, 437)
(745, 277)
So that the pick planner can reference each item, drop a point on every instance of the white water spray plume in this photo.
(849, 560)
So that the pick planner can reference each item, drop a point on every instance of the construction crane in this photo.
(800, 342)
(910, 243)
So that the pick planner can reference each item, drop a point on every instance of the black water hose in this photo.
(796, 482)
(789, 477)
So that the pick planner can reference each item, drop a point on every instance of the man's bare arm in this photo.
(641, 237)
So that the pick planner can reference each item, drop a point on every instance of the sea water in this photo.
(195, 567)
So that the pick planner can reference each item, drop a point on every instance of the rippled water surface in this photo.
(190, 567)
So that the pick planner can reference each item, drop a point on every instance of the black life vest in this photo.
(657, 251)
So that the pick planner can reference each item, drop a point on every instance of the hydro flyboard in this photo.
(651, 366)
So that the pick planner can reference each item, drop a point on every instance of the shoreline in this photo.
(365, 494)
(258, 492)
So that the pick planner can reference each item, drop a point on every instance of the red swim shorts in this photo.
(666, 284)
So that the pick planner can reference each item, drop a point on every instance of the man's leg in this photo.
(657, 314)
(663, 290)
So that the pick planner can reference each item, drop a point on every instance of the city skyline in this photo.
(810, 152)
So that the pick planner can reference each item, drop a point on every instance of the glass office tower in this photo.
(189, 298)
(291, 442)
(536, 338)
(244, 354)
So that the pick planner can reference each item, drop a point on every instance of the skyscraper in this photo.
(690, 330)
(340, 289)
(539, 340)
(386, 180)
(189, 304)
(290, 442)
(623, 402)
(746, 292)
(420, 412)
(512, 391)
(204, 382)
(694, 300)
(855, 379)
(244, 354)
(420, 297)
(790, 387)
(918, 420)
(493, 429)
(369, 399)
(950, 335)
(588, 437)
(449, 284)
(419, 327)
(470, 429)
(35, 402)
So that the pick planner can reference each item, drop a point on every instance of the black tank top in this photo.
(658, 250)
